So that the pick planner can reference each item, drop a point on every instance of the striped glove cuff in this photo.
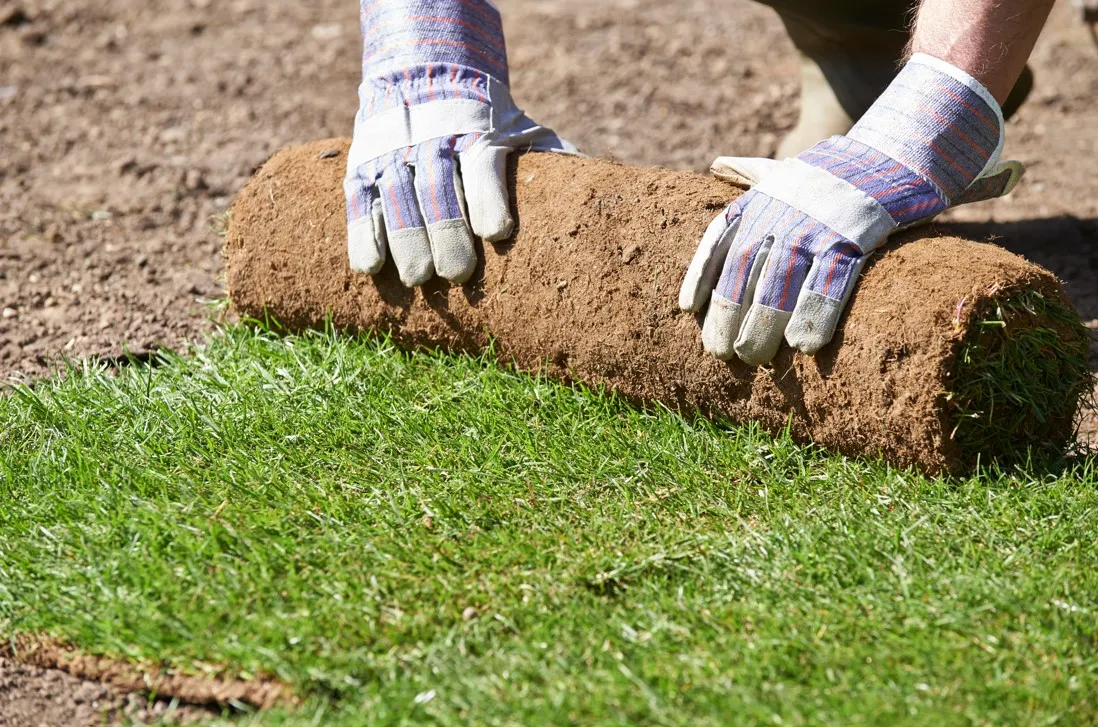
(405, 34)
(926, 140)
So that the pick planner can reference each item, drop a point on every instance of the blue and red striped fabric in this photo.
(935, 125)
(916, 151)
(799, 242)
(407, 33)
(434, 163)
(417, 52)
(907, 196)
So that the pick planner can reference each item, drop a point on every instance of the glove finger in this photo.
(539, 138)
(437, 186)
(365, 228)
(741, 269)
(761, 220)
(793, 254)
(484, 180)
(776, 292)
(708, 261)
(825, 296)
(1000, 180)
(404, 225)
(518, 132)
(725, 316)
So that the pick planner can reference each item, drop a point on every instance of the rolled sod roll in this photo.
(952, 351)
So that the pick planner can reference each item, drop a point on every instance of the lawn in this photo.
(332, 510)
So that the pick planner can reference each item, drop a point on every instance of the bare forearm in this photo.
(990, 39)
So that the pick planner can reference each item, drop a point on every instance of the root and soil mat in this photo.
(953, 351)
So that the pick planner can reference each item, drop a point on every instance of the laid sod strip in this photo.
(587, 290)
(425, 538)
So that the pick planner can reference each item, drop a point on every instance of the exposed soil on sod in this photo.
(587, 290)
(128, 127)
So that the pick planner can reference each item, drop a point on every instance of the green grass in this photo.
(324, 509)
(1021, 376)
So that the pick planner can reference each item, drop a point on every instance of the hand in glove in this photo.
(783, 259)
(433, 131)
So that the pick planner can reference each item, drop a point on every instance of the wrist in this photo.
(390, 120)
(401, 34)
(938, 122)
(430, 83)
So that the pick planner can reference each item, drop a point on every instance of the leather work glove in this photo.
(783, 259)
(427, 166)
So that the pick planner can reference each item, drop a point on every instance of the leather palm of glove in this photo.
(783, 259)
(427, 166)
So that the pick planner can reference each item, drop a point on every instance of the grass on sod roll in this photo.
(1022, 373)
(326, 509)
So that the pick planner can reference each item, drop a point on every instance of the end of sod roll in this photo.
(953, 352)
(1021, 375)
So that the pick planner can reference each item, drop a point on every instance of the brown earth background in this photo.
(127, 127)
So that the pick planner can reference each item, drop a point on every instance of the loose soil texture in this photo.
(45, 653)
(32, 696)
(34, 673)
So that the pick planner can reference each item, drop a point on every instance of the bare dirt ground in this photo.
(126, 128)
(34, 697)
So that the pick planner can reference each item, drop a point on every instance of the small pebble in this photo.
(193, 179)
(328, 154)
(469, 614)
(9, 313)
(327, 32)
(562, 284)
(630, 253)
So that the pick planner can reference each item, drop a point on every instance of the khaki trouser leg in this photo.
(844, 68)
(822, 114)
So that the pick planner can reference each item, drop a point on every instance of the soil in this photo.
(31, 696)
(126, 128)
(43, 682)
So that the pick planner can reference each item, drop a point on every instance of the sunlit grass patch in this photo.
(420, 537)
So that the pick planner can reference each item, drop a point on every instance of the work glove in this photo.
(783, 259)
(427, 166)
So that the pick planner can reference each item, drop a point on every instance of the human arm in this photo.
(782, 260)
(989, 39)
(427, 166)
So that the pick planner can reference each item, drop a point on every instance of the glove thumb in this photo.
(998, 181)
(742, 171)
